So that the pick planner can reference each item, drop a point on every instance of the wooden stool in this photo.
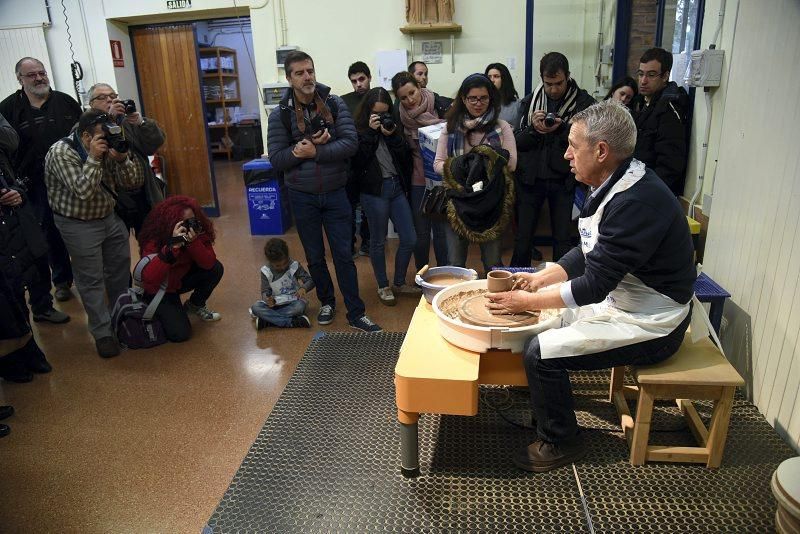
(696, 372)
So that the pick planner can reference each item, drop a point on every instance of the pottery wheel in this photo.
(473, 311)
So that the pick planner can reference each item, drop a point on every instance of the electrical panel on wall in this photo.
(282, 51)
(273, 93)
(705, 68)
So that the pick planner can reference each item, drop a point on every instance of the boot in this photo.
(34, 359)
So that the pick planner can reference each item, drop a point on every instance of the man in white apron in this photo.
(627, 287)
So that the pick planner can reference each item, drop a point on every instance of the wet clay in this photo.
(444, 279)
(469, 307)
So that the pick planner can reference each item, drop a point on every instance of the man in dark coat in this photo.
(660, 114)
(542, 172)
(41, 116)
(21, 244)
(310, 139)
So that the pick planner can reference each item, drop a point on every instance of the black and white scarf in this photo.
(565, 111)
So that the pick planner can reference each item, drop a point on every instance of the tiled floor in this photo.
(149, 441)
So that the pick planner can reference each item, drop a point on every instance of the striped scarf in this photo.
(539, 102)
(455, 140)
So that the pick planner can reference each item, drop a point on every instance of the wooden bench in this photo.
(696, 372)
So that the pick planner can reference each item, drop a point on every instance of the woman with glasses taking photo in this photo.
(481, 190)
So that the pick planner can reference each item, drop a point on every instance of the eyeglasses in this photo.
(475, 99)
(34, 75)
(110, 96)
(652, 75)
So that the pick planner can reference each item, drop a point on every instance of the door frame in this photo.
(211, 211)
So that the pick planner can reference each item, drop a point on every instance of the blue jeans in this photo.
(423, 224)
(331, 211)
(392, 204)
(458, 247)
(279, 315)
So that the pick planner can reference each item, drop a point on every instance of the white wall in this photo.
(124, 77)
(725, 41)
(752, 248)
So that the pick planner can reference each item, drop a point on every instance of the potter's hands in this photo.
(508, 302)
(530, 282)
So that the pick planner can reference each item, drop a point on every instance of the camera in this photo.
(318, 124)
(387, 121)
(130, 106)
(193, 224)
(550, 120)
(114, 137)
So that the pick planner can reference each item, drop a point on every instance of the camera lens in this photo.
(550, 120)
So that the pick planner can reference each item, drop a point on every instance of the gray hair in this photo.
(95, 86)
(18, 66)
(611, 122)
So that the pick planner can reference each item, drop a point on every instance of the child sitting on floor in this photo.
(284, 284)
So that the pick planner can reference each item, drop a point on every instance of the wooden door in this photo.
(169, 86)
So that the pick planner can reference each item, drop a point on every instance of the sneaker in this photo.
(364, 324)
(261, 324)
(406, 289)
(301, 321)
(63, 292)
(107, 347)
(541, 456)
(386, 296)
(51, 316)
(326, 313)
(202, 312)
(363, 251)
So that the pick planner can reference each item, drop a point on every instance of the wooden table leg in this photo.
(409, 444)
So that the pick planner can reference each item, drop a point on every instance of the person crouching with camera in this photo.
(181, 237)
(83, 173)
(382, 167)
(145, 137)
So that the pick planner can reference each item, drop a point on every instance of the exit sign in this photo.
(179, 4)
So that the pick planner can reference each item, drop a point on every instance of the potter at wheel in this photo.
(473, 310)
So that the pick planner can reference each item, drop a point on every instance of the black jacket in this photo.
(367, 170)
(541, 156)
(60, 112)
(329, 170)
(661, 134)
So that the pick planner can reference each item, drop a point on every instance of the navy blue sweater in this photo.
(643, 232)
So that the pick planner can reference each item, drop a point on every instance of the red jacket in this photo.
(176, 262)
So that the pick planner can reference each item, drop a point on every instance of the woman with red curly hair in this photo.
(181, 237)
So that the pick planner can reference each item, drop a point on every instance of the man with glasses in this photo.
(41, 116)
(660, 110)
(542, 172)
(145, 137)
(83, 175)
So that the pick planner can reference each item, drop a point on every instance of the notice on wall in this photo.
(390, 62)
(116, 53)
(432, 51)
(179, 4)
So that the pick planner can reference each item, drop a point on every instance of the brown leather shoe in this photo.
(541, 456)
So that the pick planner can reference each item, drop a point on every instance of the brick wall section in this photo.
(643, 31)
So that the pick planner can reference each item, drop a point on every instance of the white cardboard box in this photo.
(428, 139)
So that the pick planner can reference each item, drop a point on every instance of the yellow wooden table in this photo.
(433, 376)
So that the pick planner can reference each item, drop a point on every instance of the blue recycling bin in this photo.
(267, 199)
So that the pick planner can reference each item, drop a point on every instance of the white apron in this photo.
(631, 313)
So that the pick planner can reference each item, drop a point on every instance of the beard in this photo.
(41, 90)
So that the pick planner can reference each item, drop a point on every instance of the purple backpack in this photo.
(132, 317)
